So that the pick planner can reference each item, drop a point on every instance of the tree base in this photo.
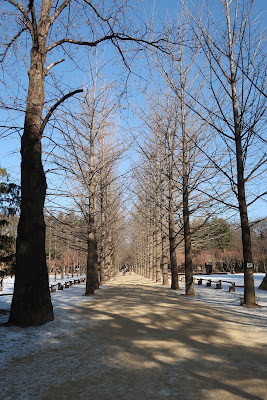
(30, 307)
(253, 306)
(263, 285)
(89, 293)
(175, 288)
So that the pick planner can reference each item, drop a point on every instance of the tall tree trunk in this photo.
(102, 247)
(172, 232)
(144, 267)
(102, 214)
(91, 262)
(31, 303)
(189, 284)
(163, 222)
(108, 257)
(249, 290)
(158, 256)
(154, 248)
(147, 265)
(150, 253)
(92, 256)
(164, 244)
(92, 282)
(157, 226)
(173, 261)
(165, 280)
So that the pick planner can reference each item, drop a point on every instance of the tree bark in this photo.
(165, 280)
(158, 252)
(163, 222)
(154, 249)
(172, 233)
(91, 262)
(189, 284)
(31, 303)
(150, 276)
(249, 290)
(92, 282)
(164, 244)
(173, 261)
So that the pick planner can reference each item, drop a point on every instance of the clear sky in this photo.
(9, 146)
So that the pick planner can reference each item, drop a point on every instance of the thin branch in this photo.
(11, 42)
(53, 64)
(22, 10)
(59, 11)
(251, 81)
(118, 36)
(53, 108)
(257, 198)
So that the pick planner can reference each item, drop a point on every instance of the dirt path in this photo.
(139, 341)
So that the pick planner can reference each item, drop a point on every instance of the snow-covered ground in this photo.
(15, 340)
(230, 301)
(8, 286)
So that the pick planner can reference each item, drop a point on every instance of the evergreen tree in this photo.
(9, 205)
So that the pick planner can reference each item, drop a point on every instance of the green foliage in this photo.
(9, 195)
(215, 233)
(9, 206)
(222, 232)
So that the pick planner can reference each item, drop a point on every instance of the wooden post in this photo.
(232, 288)
(219, 285)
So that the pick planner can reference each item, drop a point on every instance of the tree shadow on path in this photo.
(140, 342)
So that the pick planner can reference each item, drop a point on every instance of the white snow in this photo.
(222, 298)
(15, 341)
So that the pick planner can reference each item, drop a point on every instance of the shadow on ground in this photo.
(142, 343)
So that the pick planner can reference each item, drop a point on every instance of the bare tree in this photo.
(236, 108)
(157, 175)
(44, 30)
(88, 157)
(111, 221)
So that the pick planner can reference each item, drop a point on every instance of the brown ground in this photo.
(139, 341)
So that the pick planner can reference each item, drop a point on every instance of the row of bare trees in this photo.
(207, 123)
(87, 158)
(38, 37)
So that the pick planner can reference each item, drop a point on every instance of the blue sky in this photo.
(9, 146)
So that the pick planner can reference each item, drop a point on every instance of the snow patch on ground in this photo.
(222, 298)
(16, 341)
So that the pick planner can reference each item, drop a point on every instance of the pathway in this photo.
(140, 341)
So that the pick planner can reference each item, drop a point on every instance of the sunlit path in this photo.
(137, 340)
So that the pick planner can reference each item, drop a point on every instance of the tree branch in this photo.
(53, 64)
(53, 108)
(11, 42)
(257, 198)
(59, 11)
(251, 81)
(118, 36)
(21, 9)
